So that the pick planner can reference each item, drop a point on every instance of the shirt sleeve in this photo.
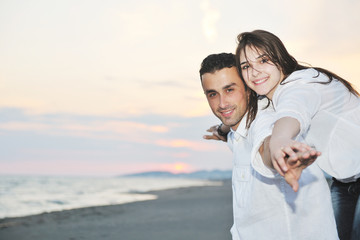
(259, 130)
(299, 100)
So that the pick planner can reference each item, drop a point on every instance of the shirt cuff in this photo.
(258, 164)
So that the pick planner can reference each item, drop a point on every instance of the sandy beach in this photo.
(186, 213)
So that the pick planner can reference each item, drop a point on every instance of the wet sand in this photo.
(180, 214)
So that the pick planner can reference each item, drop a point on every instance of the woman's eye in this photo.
(244, 67)
(264, 60)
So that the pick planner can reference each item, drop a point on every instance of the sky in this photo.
(111, 87)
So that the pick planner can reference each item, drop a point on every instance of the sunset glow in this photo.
(178, 167)
(113, 87)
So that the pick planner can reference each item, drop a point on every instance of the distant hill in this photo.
(210, 175)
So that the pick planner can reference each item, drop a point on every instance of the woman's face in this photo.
(259, 73)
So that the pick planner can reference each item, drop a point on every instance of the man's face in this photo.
(226, 95)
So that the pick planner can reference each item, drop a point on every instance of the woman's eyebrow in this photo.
(261, 56)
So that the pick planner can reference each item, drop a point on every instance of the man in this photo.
(263, 207)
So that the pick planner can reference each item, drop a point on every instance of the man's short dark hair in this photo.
(215, 62)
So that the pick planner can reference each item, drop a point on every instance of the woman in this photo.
(314, 103)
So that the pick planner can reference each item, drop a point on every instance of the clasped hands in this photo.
(288, 157)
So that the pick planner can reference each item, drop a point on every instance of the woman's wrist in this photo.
(222, 132)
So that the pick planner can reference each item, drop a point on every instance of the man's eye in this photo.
(210, 95)
(229, 90)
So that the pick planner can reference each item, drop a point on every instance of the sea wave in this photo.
(29, 195)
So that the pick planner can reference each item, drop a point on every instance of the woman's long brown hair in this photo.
(274, 48)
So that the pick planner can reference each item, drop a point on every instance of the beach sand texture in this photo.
(179, 214)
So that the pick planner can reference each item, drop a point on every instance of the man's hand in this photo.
(297, 162)
(214, 134)
(282, 148)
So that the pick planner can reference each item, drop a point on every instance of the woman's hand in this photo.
(283, 150)
(297, 163)
(215, 134)
(290, 158)
(285, 129)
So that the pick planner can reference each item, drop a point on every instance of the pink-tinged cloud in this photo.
(73, 167)
(109, 130)
(173, 155)
(116, 130)
(119, 127)
(63, 167)
(183, 143)
(126, 127)
(113, 126)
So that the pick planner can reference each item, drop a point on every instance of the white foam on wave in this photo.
(28, 195)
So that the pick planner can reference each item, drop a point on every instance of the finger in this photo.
(294, 163)
(304, 158)
(304, 155)
(211, 137)
(278, 169)
(306, 147)
(295, 185)
(307, 162)
(299, 157)
(298, 146)
(293, 159)
(288, 151)
(281, 162)
(308, 158)
(213, 128)
(315, 153)
(292, 181)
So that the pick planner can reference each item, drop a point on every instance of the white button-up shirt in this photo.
(267, 207)
(329, 117)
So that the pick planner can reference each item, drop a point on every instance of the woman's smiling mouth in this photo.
(260, 81)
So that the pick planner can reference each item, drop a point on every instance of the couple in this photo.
(277, 192)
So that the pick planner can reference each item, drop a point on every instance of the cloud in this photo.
(168, 84)
(96, 129)
(66, 166)
(210, 20)
(159, 130)
(95, 145)
(22, 126)
(183, 143)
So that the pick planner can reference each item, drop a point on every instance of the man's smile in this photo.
(226, 113)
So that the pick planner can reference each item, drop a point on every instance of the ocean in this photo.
(29, 195)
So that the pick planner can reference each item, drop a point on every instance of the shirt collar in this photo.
(241, 130)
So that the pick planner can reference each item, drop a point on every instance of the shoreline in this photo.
(203, 212)
(32, 195)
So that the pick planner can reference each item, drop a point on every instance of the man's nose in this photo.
(223, 101)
